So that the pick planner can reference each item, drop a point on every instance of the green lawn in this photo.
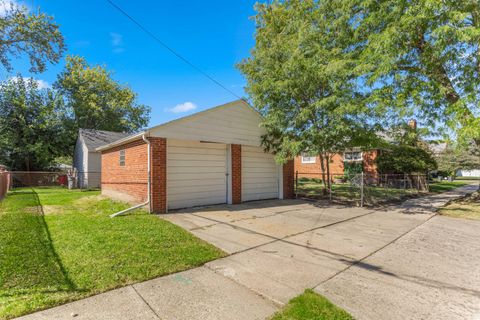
(373, 194)
(348, 192)
(438, 187)
(311, 306)
(467, 207)
(59, 245)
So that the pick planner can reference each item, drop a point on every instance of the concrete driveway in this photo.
(398, 263)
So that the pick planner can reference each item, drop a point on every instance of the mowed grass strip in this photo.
(444, 186)
(466, 208)
(59, 245)
(311, 306)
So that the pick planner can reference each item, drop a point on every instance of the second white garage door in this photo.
(196, 173)
(259, 175)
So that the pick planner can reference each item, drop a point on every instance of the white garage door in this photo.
(259, 174)
(196, 173)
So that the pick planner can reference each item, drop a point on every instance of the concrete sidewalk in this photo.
(401, 263)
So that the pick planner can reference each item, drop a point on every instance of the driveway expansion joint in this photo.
(145, 301)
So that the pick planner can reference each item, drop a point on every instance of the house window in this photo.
(122, 158)
(308, 159)
(353, 156)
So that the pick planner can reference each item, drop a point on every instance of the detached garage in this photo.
(211, 157)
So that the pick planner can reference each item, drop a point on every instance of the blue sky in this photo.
(214, 35)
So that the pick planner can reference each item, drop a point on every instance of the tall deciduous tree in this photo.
(31, 130)
(33, 34)
(420, 56)
(95, 101)
(302, 83)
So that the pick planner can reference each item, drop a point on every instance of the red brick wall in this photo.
(369, 165)
(129, 182)
(288, 180)
(236, 173)
(314, 170)
(158, 182)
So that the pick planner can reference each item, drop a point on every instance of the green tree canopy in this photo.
(456, 157)
(31, 130)
(405, 159)
(419, 56)
(33, 34)
(95, 101)
(301, 83)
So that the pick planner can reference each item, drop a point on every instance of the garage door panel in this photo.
(253, 177)
(196, 173)
(197, 176)
(195, 183)
(195, 150)
(183, 157)
(187, 169)
(259, 174)
(176, 204)
(196, 163)
(195, 194)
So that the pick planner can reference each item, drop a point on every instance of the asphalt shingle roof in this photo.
(97, 138)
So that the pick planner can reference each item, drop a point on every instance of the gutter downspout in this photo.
(148, 186)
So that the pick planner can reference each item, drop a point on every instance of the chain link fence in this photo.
(359, 189)
(71, 180)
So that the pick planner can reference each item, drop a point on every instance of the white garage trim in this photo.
(260, 175)
(196, 173)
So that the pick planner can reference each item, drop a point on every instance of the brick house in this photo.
(211, 157)
(309, 166)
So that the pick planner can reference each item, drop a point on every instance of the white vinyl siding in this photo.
(196, 173)
(259, 174)
(234, 123)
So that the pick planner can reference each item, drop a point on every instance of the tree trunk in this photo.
(329, 184)
(322, 166)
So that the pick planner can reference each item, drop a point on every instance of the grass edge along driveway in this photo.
(59, 245)
(311, 306)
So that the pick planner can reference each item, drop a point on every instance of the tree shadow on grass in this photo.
(29, 262)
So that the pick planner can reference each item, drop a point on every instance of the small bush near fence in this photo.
(360, 189)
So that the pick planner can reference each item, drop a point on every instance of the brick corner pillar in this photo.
(158, 174)
(236, 173)
(288, 180)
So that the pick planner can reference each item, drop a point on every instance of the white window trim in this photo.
(310, 159)
(353, 160)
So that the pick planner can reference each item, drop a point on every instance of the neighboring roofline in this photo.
(131, 138)
(194, 115)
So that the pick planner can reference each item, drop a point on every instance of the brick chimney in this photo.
(412, 124)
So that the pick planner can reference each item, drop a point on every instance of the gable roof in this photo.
(97, 138)
(234, 122)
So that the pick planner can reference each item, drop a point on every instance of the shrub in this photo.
(405, 159)
(351, 169)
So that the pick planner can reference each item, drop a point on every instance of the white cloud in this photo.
(42, 84)
(7, 5)
(183, 107)
(116, 40)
